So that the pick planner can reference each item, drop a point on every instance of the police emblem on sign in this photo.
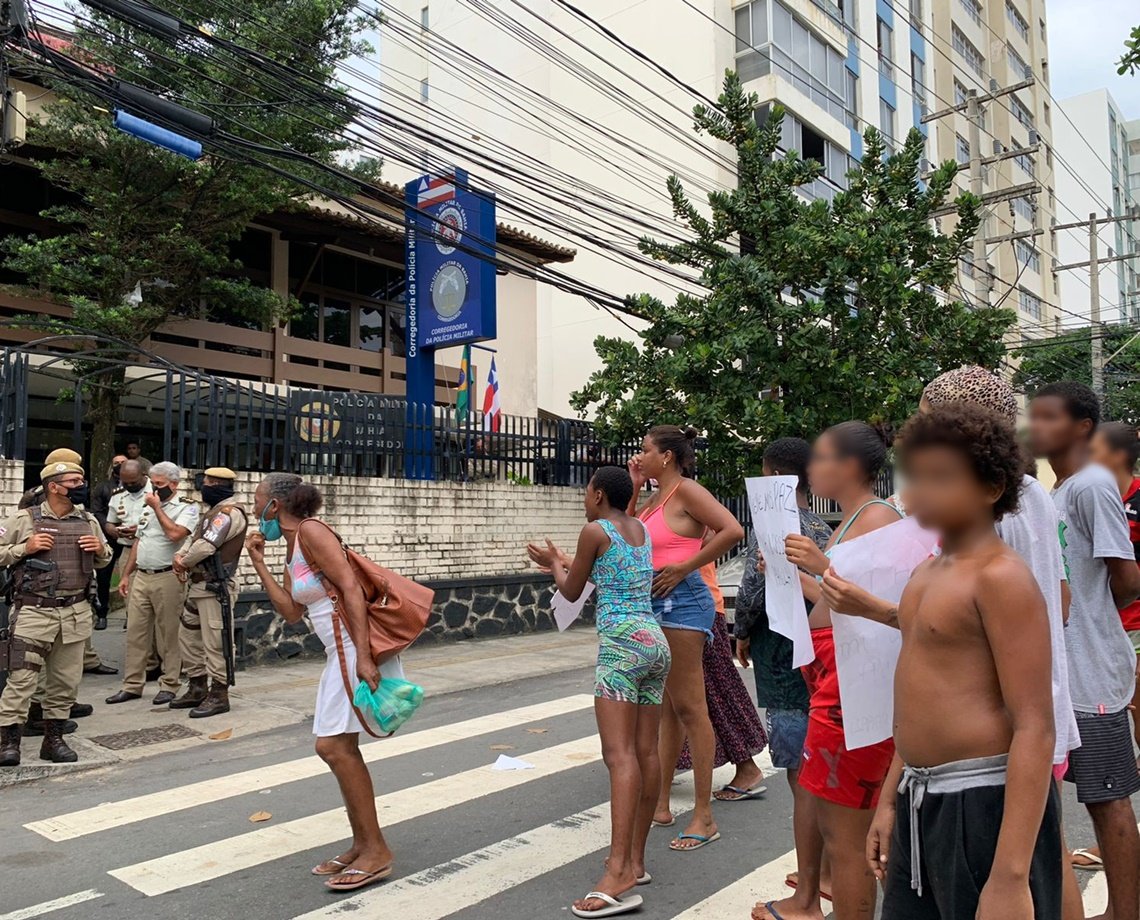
(451, 222)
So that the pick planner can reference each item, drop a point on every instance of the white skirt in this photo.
(334, 714)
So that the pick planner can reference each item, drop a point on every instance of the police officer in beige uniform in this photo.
(55, 549)
(154, 591)
(209, 564)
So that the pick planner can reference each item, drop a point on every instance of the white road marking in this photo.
(127, 811)
(481, 874)
(38, 910)
(243, 851)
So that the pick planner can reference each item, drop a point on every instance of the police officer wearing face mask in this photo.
(101, 498)
(54, 548)
(209, 564)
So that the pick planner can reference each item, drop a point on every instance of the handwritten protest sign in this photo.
(866, 652)
(775, 514)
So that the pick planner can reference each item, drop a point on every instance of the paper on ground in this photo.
(511, 763)
(775, 515)
(566, 612)
(866, 652)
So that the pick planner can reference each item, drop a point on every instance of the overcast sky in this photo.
(1086, 39)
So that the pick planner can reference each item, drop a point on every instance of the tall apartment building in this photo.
(1099, 173)
(836, 66)
(987, 45)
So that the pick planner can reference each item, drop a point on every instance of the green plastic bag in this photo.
(392, 703)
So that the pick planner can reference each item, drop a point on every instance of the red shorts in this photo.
(835, 774)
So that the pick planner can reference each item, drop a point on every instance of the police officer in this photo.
(55, 549)
(209, 563)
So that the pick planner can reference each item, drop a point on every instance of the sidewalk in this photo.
(272, 696)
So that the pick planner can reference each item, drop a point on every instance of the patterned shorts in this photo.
(633, 661)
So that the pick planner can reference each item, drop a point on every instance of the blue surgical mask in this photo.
(271, 530)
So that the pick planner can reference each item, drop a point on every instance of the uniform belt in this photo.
(163, 570)
(35, 600)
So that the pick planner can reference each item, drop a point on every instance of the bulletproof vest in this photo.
(71, 566)
(229, 553)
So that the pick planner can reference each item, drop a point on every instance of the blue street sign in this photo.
(449, 295)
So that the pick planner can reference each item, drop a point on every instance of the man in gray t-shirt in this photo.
(1103, 577)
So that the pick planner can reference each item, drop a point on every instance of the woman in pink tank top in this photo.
(679, 517)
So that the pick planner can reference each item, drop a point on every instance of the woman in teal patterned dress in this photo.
(633, 660)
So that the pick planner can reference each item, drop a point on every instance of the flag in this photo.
(433, 191)
(492, 410)
(463, 396)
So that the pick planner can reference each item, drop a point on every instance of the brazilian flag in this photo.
(463, 396)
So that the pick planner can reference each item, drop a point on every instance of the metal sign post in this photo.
(449, 294)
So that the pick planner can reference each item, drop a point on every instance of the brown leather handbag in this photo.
(398, 608)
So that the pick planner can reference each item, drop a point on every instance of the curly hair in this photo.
(982, 436)
(616, 483)
(299, 498)
(1080, 400)
(791, 457)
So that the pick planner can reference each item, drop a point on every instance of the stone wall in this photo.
(466, 540)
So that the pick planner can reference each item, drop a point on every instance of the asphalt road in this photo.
(170, 838)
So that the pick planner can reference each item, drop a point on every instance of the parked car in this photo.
(728, 576)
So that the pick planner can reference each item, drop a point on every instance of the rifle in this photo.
(222, 590)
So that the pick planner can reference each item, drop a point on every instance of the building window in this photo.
(424, 18)
(1044, 33)
(1027, 255)
(887, 122)
(1016, 20)
(971, 55)
(852, 100)
(1026, 208)
(973, 9)
(962, 150)
(886, 50)
(1020, 112)
(1022, 70)
(1048, 114)
(918, 78)
(424, 90)
(811, 145)
(1030, 304)
(916, 13)
(967, 264)
(1025, 162)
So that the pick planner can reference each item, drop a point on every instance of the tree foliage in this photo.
(1130, 62)
(832, 315)
(138, 218)
(1069, 357)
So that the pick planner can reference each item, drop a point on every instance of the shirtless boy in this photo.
(974, 830)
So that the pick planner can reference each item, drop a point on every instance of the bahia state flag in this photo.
(463, 396)
(492, 410)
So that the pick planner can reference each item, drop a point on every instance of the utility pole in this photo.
(974, 111)
(1096, 327)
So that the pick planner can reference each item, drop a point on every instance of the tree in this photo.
(142, 220)
(832, 315)
(1069, 357)
(1130, 62)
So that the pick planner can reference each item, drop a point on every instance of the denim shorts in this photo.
(787, 729)
(688, 606)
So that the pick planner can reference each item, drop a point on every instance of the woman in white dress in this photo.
(282, 503)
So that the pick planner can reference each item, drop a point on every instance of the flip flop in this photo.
(772, 912)
(616, 905)
(644, 880)
(363, 878)
(792, 882)
(1094, 864)
(739, 795)
(702, 841)
(339, 870)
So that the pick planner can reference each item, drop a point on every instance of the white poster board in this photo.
(775, 515)
(566, 612)
(866, 652)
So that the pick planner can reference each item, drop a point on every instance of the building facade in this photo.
(1100, 174)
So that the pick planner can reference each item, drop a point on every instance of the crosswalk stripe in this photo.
(481, 874)
(47, 907)
(127, 811)
(243, 851)
(737, 899)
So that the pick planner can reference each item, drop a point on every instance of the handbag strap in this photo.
(336, 619)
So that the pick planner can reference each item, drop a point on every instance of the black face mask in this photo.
(115, 470)
(78, 495)
(135, 487)
(164, 493)
(215, 495)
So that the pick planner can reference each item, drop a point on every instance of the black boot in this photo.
(54, 748)
(10, 745)
(216, 702)
(35, 724)
(193, 695)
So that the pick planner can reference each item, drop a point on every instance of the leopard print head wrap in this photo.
(973, 384)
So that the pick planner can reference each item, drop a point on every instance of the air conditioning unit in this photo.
(1034, 137)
